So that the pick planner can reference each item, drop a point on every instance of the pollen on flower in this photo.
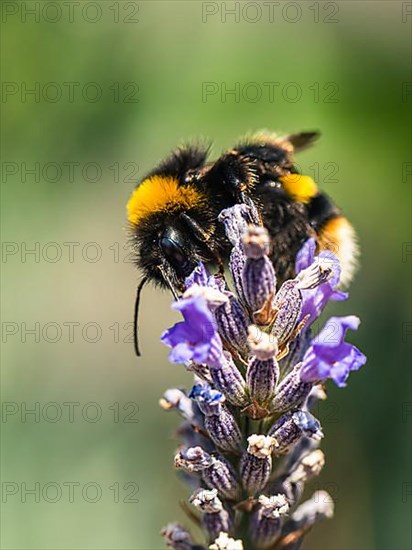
(262, 345)
(206, 500)
(261, 446)
(275, 505)
(224, 542)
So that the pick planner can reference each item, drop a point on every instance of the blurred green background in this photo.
(161, 72)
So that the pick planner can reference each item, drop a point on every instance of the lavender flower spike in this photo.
(250, 379)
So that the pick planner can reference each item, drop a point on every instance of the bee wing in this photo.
(302, 140)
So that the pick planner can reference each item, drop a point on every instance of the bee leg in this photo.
(231, 176)
(199, 233)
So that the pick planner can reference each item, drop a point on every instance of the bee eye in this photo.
(174, 253)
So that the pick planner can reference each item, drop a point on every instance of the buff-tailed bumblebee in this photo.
(173, 212)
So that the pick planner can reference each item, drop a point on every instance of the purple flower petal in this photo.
(334, 331)
(333, 264)
(204, 393)
(306, 255)
(181, 353)
(315, 300)
(196, 337)
(199, 276)
(329, 356)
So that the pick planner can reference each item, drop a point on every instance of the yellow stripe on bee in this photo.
(300, 188)
(159, 193)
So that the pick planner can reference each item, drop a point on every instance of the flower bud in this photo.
(214, 524)
(208, 400)
(291, 392)
(206, 500)
(256, 242)
(237, 262)
(256, 463)
(291, 427)
(177, 399)
(219, 421)
(176, 537)
(309, 466)
(224, 431)
(230, 382)
(216, 471)
(215, 518)
(235, 220)
(318, 507)
(263, 371)
(232, 323)
(288, 305)
(267, 520)
(259, 279)
(193, 459)
(220, 475)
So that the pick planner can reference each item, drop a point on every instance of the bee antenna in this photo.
(136, 316)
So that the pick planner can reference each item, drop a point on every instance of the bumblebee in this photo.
(173, 212)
